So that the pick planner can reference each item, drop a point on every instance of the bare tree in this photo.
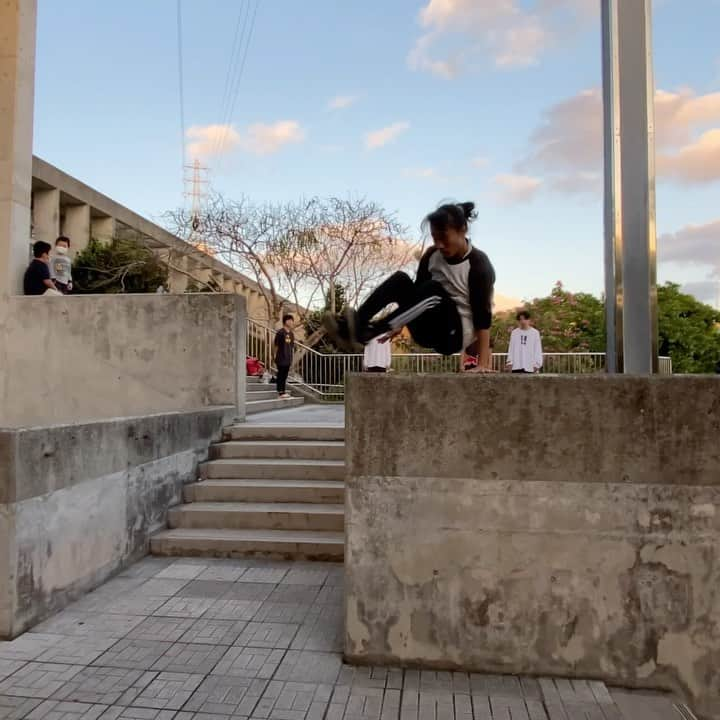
(298, 252)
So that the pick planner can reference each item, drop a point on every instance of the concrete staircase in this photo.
(268, 490)
(261, 398)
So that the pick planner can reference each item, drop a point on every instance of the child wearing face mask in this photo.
(61, 266)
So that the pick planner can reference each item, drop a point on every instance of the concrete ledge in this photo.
(79, 502)
(551, 526)
(36, 461)
(597, 428)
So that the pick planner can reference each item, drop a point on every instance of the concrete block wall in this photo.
(562, 526)
(93, 357)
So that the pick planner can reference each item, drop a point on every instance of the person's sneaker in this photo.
(342, 331)
(286, 396)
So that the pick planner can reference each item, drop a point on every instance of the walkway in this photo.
(202, 639)
(305, 415)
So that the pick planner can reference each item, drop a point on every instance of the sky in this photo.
(408, 103)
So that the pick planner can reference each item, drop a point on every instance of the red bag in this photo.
(253, 367)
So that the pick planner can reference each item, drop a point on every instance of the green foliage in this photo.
(121, 266)
(568, 322)
(689, 331)
(313, 321)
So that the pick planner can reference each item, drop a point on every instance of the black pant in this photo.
(427, 310)
(282, 375)
(376, 369)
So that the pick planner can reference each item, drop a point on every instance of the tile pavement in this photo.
(205, 639)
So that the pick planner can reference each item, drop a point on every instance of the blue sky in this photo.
(495, 102)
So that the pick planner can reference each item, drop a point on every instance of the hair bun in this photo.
(468, 209)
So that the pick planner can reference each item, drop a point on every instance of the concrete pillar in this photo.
(630, 232)
(102, 229)
(77, 226)
(17, 79)
(46, 215)
(177, 263)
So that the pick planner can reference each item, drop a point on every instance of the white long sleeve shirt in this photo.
(378, 354)
(525, 352)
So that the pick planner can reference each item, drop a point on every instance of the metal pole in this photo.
(630, 232)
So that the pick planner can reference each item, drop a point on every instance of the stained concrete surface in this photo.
(77, 502)
(565, 526)
(203, 639)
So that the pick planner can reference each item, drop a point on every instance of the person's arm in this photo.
(47, 279)
(70, 280)
(538, 361)
(511, 350)
(423, 271)
(481, 284)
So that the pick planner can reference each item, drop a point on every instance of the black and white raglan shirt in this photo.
(469, 281)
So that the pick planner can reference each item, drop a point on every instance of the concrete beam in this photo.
(17, 80)
(76, 225)
(46, 215)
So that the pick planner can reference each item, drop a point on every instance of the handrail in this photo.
(322, 375)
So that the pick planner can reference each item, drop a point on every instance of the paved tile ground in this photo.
(203, 639)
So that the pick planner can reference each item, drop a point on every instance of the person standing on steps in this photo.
(446, 308)
(284, 348)
(525, 355)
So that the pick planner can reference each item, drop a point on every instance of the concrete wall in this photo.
(543, 525)
(70, 516)
(81, 358)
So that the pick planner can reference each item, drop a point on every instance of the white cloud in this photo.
(206, 141)
(707, 291)
(566, 148)
(514, 33)
(694, 163)
(514, 189)
(697, 245)
(379, 138)
(341, 102)
(420, 173)
(260, 139)
(480, 161)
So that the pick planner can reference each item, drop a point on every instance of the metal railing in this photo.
(322, 375)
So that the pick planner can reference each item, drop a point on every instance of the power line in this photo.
(232, 63)
(181, 90)
(235, 87)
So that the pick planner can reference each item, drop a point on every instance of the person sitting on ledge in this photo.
(447, 307)
(37, 280)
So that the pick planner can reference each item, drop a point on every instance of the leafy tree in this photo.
(120, 266)
(569, 322)
(689, 331)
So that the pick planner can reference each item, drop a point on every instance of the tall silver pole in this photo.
(630, 232)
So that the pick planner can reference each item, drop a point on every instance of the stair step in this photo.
(258, 516)
(253, 380)
(281, 449)
(256, 406)
(285, 544)
(251, 431)
(275, 469)
(288, 491)
(258, 395)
